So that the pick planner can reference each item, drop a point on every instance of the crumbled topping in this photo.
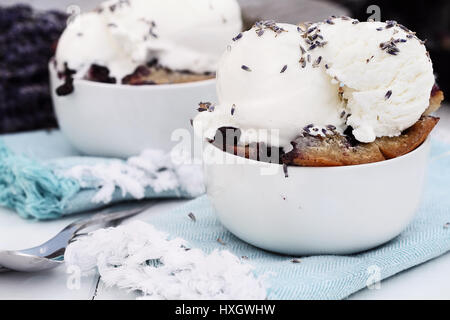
(260, 26)
(206, 106)
(390, 24)
(390, 47)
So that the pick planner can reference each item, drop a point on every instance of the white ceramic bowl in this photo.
(337, 210)
(122, 120)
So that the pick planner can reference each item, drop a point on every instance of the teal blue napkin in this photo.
(330, 277)
(43, 177)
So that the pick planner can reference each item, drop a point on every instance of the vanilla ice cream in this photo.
(375, 77)
(121, 35)
(386, 73)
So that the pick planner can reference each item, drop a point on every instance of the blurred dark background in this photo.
(29, 32)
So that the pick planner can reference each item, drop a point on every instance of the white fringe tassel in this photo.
(137, 257)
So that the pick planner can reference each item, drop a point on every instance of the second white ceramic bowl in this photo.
(338, 210)
(115, 120)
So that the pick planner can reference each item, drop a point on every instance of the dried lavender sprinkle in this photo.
(285, 169)
(311, 29)
(312, 47)
(192, 216)
(239, 36)
(204, 106)
(392, 52)
(403, 28)
(303, 62)
(302, 49)
(317, 62)
(388, 94)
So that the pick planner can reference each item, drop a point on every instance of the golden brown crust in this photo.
(330, 151)
(158, 75)
(437, 96)
(409, 140)
(337, 150)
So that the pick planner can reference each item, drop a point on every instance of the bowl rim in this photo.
(424, 145)
(120, 86)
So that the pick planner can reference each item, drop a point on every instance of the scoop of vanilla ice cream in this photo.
(87, 41)
(375, 77)
(386, 74)
(262, 84)
(121, 35)
(188, 34)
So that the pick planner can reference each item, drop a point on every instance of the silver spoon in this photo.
(51, 254)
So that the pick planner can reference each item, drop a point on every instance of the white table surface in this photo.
(427, 281)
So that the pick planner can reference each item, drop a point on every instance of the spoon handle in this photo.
(55, 247)
(104, 218)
